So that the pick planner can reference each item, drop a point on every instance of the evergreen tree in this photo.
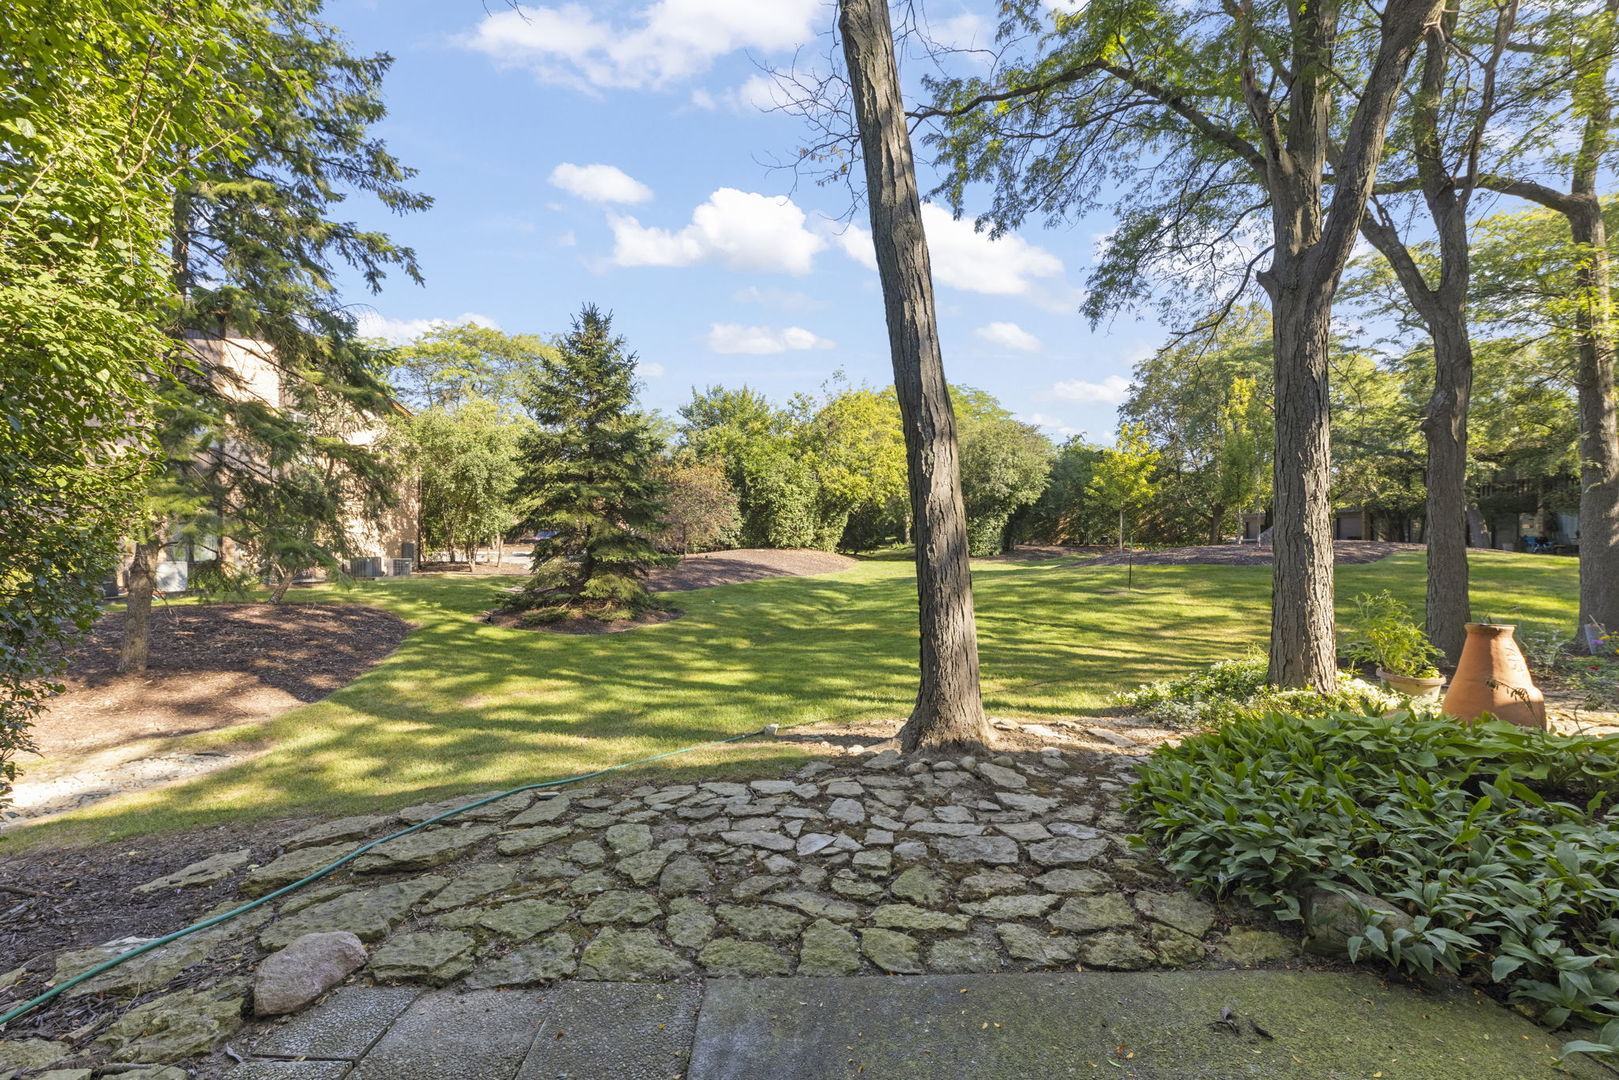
(590, 476)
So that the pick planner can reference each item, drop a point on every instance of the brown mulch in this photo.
(1345, 553)
(745, 564)
(212, 666)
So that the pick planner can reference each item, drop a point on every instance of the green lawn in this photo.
(463, 706)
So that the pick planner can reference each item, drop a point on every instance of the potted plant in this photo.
(1388, 638)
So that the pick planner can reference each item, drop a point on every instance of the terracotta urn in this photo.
(1493, 678)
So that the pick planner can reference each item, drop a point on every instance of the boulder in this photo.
(1332, 918)
(291, 978)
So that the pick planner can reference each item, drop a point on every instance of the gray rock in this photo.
(1084, 914)
(1001, 776)
(1033, 804)
(690, 928)
(981, 850)
(349, 828)
(587, 853)
(761, 922)
(26, 1054)
(1181, 910)
(292, 866)
(543, 812)
(1175, 949)
(525, 841)
(1073, 881)
(1331, 919)
(848, 811)
(549, 958)
(810, 843)
(963, 956)
(644, 866)
(430, 956)
(523, 919)
(291, 978)
(1115, 951)
(876, 863)
(946, 828)
(369, 914)
(473, 885)
(879, 837)
(993, 883)
(685, 874)
(621, 906)
(596, 821)
(592, 882)
(887, 759)
(1039, 948)
(1013, 906)
(422, 850)
(922, 886)
(548, 868)
(730, 956)
(848, 788)
(911, 850)
(1027, 831)
(495, 811)
(757, 885)
(958, 814)
(828, 949)
(911, 917)
(1066, 851)
(846, 884)
(816, 905)
(177, 1026)
(628, 839)
(770, 841)
(214, 868)
(629, 956)
(895, 953)
(780, 864)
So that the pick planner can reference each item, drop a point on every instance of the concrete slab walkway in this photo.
(1190, 1025)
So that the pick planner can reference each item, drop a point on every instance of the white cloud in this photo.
(1112, 390)
(739, 229)
(782, 299)
(763, 340)
(1009, 335)
(1051, 423)
(399, 331)
(600, 183)
(965, 31)
(649, 370)
(964, 258)
(659, 44)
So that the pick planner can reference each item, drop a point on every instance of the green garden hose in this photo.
(157, 943)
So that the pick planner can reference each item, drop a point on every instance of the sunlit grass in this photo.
(463, 706)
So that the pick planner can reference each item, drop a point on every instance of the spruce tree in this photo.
(590, 476)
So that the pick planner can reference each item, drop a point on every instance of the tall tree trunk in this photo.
(1445, 429)
(1216, 524)
(1599, 425)
(949, 710)
(281, 587)
(136, 641)
(1303, 645)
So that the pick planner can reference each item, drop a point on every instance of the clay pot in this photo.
(1493, 678)
(1414, 688)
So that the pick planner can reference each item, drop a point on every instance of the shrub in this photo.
(1496, 839)
(1230, 689)
(1596, 680)
(1385, 634)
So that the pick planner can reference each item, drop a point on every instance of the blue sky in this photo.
(615, 153)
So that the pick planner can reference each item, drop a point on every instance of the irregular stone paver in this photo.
(1115, 951)
(422, 850)
(1020, 906)
(628, 839)
(774, 923)
(977, 850)
(525, 841)
(364, 827)
(629, 956)
(1181, 910)
(1093, 913)
(1245, 946)
(828, 949)
(621, 906)
(892, 951)
(542, 812)
(368, 914)
(178, 1025)
(213, 869)
(643, 867)
(922, 886)
(963, 955)
(689, 927)
(1040, 948)
(291, 867)
(1066, 851)
(434, 957)
(473, 885)
(523, 919)
(549, 958)
(733, 956)
(911, 917)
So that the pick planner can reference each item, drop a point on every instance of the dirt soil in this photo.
(212, 666)
(1345, 553)
(745, 564)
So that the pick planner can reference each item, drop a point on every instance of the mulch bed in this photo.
(212, 665)
(1345, 553)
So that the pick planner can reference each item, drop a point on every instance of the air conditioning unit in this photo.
(365, 568)
(402, 567)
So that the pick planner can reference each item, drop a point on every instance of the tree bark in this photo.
(1599, 425)
(1216, 521)
(136, 641)
(949, 710)
(281, 587)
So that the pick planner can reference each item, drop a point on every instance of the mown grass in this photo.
(463, 706)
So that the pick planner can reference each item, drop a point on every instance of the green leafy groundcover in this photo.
(1500, 841)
